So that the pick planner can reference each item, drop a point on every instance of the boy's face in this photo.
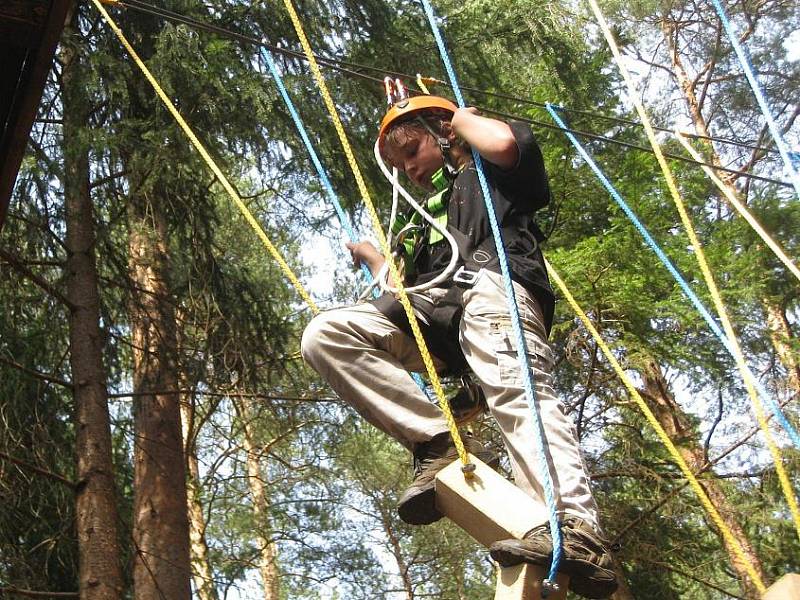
(417, 155)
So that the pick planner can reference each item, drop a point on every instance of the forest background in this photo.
(158, 429)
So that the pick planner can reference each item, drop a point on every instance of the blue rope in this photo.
(774, 407)
(522, 354)
(744, 59)
(326, 182)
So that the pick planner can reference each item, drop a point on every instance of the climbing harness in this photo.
(403, 108)
(465, 261)
(548, 584)
(408, 230)
(427, 359)
(424, 227)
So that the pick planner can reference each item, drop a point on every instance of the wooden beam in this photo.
(490, 508)
(786, 588)
(524, 582)
(30, 30)
(487, 506)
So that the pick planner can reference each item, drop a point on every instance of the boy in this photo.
(365, 352)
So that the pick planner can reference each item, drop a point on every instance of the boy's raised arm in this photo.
(492, 139)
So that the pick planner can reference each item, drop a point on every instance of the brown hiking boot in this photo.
(469, 402)
(586, 559)
(417, 505)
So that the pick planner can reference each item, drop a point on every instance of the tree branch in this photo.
(256, 396)
(708, 68)
(40, 471)
(35, 594)
(689, 576)
(717, 420)
(36, 374)
(108, 178)
(20, 267)
(674, 492)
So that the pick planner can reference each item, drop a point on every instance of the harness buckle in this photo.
(466, 277)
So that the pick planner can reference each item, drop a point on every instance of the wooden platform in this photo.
(29, 33)
(490, 508)
(786, 588)
(524, 582)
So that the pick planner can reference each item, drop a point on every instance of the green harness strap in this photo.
(436, 206)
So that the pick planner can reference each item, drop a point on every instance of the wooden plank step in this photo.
(786, 588)
(490, 508)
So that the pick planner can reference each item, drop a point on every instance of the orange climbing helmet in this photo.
(401, 106)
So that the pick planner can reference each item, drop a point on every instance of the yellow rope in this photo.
(209, 161)
(376, 224)
(741, 208)
(665, 439)
(421, 84)
(758, 408)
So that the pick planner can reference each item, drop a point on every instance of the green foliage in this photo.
(37, 545)
(331, 482)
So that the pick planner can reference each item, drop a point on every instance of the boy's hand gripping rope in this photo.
(323, 175)
(522, 354)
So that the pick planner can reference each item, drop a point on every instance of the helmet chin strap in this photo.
(450, 170)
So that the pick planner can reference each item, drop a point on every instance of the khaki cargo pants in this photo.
(366, 359)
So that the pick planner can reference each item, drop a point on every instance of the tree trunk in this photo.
(100, 576)
(776, 321)
(694, 104)
(780, 333)
(161, 567)
(397, 553)
(268, 565)
(676, 424)
(202, 574)
(623, 589)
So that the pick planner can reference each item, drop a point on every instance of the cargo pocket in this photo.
(505, 350)
(504, 344)
(486, 317)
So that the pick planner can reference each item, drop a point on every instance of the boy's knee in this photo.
(320, 337)
(312, 336)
